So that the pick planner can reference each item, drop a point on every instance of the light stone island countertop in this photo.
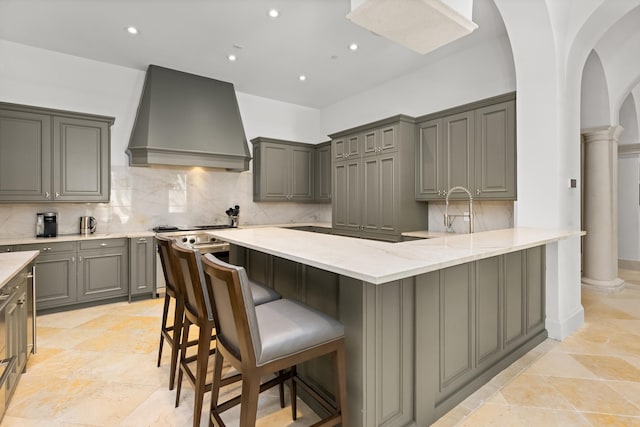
(75, 237)
(12, 262)
(380, 262)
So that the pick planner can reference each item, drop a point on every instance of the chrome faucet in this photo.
(447, 220)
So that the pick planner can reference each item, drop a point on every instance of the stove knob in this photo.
(192, 241)
(184, 240)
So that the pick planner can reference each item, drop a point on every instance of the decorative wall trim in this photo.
(628, 150)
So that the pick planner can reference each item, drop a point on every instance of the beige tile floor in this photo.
(97, 367)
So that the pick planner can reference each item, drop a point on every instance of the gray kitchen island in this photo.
(427, 322)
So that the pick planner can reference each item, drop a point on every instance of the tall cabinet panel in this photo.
(430, 160)
(323, 172)
(495, 151)
(80, 160)
(25, 156)
(459, 138)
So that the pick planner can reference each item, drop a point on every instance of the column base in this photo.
(604, 286)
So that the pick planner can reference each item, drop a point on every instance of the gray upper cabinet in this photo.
(81, 159)
(322, 177)
(473, 146)
(25, 156)
(373, 178)
(282, 170)
(51, 155)
(496, 151)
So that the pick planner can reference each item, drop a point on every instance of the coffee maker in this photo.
(47, 224)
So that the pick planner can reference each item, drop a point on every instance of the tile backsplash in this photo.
(142, 198)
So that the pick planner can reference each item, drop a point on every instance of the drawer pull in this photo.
(103, 244)
(142, 239)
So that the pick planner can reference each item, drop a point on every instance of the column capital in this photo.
(602, 134)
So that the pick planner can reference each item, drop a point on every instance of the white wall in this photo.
(480, 72)
(145, 197)
(594, 103)
(629, 121)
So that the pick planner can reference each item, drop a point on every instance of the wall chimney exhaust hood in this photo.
(188, 120)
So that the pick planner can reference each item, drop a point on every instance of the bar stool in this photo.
(260, 340)
(197, 311)
(170, 333)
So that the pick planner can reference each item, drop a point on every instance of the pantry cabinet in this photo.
(53, 156)
(472, 146)
(373, 178)
(142, 266)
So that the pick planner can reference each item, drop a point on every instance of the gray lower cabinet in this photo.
(56, 283)
(282, 170)
(76, 272)
(373, 179)
(473, 146)
(16, 328)
(488, 310)
(6, 248)
(142, 266)
(103, 269)
(53, 156)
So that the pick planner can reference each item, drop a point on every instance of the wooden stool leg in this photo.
(217, 377)
(163, 325)
(177, 342)
(249, 399)
(294, 393)
(183, 354)
(202, 362)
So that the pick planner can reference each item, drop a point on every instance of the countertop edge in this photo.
(12, 263)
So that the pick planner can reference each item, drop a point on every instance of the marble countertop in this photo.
(75, 237)
(380, 262)
(12, 262)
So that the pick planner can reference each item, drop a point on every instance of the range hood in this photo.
(188, 120)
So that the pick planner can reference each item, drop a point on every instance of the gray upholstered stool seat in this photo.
(262, 293)
(287, 327)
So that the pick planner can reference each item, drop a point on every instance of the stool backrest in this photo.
(233, 308)
(167, 261)
(191, 282)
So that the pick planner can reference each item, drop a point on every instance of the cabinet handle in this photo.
(57, 194)
(142, 240)
(73, 260)
(7, 250)
(477, 191)
(103, 244)
(45, 249)
(28, 276)
(47, 194)
(80, 258)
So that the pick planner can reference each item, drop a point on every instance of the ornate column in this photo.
(600, 250)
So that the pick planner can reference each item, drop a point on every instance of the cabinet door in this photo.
(514, 299)
(56, 280)
(323, 173)
(301, 173)
(25, 156)
(535, 289)
(430, 161)
(370, 143)
(380, 194)
(459, 136)
(495, 152)
(388, 139)
(142, 266)
(274, 173)
(81, 163)
(354, 146)
(488, 310)
(102, 273)
(347, 202)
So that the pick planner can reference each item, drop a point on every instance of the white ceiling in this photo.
(310, 37)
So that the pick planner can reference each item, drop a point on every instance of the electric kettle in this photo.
(88, 224)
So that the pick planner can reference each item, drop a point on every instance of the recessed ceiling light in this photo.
(302, 77)
(274, 13)
(232, 57)
(353, 46)
(132, 30)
